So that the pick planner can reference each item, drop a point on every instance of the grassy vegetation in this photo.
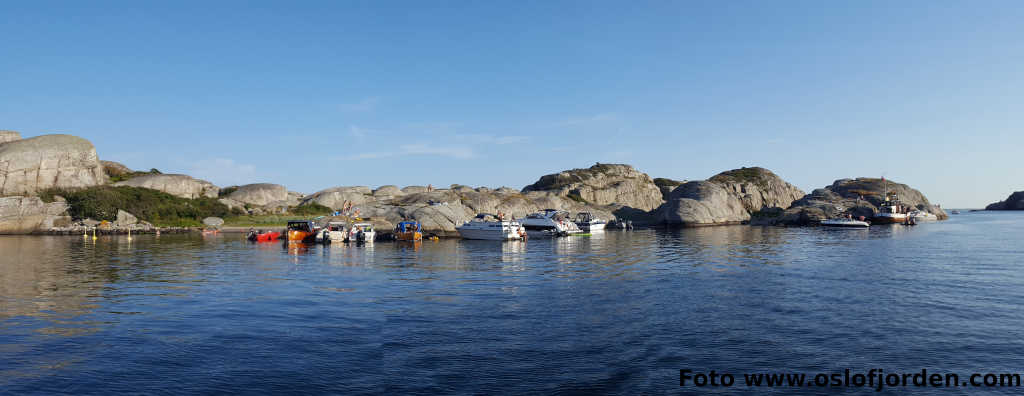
(226, 191)
(743, 175)
(310, 210)
(166, 210)
(119, 177)
(559, 180)
(663, 182)
(159, 208)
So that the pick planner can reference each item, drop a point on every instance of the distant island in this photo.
(58, 184)
(1014, 202)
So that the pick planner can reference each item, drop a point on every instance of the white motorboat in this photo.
(587, 222)
(335, 231)
(920, 215)
(486, 226)
(361, 232)
(549, 222)
(845, 223)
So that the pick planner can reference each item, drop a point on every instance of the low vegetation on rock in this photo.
(159, 208)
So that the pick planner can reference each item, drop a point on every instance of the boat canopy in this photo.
(584, 216)
(300, 225)
(407, 226)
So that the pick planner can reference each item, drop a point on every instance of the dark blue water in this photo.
(621, 312)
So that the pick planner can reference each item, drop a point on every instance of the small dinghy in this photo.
(262, 236)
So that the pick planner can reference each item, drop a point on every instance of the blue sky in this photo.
(319, 94)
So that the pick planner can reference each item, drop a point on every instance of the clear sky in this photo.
(318, 94)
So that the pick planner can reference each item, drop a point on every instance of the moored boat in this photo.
(587, 222)
(920, 215)
(409, 231)
(845, 222)
(489, 227)
(335, 231)
(361, 232)
(302, 231)
(262, 236)
(549, 222)
(890, 211)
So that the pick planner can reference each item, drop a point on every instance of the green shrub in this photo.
(114, 178)
(310, 209)
(226, 191)
(665, 182)
(157, 207)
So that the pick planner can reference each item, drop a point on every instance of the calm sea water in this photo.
(621, 312)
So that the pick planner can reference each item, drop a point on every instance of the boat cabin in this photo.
(408, 226)
(301, 225)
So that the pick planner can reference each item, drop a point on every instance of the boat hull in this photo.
(268, 237)
(898, 218)
(591, 226)
(489, 235)
(846, 224)
(300, 236)
(409, 236)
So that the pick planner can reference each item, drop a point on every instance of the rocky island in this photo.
(58, 182)
(1014, 202)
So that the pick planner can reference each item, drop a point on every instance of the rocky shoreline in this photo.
(750, 195)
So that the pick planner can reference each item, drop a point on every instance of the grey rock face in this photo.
(701, 203)
(232, 204)
(9, 136)
(125, 219)
(261, 194)
(758, 188)
(858, 197)
(441, 211)
(1014, 202)
(178, 185)
(730, 197)
(414, 189)
(213, 221)
(603, 184)
(62, 161)
(336, 197)
(22, 215)
(387, 191)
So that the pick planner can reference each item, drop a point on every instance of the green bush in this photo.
(157, 207)
(114, 178)
(226, 191)
(310, 209)
(665, 182)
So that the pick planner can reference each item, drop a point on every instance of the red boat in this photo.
(263, 237)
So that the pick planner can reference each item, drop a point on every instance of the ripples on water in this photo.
(620, 312)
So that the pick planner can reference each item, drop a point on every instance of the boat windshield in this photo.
(300, 226)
